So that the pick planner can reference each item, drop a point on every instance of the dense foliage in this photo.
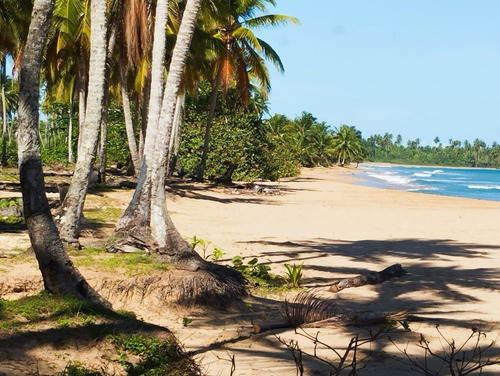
(382, 148)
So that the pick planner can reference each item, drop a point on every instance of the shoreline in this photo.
(431, 183)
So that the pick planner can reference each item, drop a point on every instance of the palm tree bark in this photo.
(4, 116)
(59, 274)
(129, 124)
(103, 146)
(149, 197)
(136, 218)
(200, 172)
(71, 158)
(82, 91)
(89, 132)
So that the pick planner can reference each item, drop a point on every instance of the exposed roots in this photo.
(217, 287)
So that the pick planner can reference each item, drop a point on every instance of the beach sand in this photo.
(449, 246)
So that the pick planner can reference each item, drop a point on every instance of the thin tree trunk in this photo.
(175, 139)
(4, 128)
(59, 274)
(103, 146)
(70, 134)
(129, 124)
(82, 92)
(4, 111)
(144, 115)
(73, 203)
(200, 172)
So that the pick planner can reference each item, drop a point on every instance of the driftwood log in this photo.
(369, 278)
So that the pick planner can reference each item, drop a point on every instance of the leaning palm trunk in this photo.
(59, 274)
(89, 132)
(147, 212)
(136, 219)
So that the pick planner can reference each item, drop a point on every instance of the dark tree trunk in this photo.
(200, 171)
(59, 274)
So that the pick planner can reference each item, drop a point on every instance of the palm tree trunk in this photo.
(73, 203)
(4, 127)
(160, 219)
(136, 218)
(200, 172)
(103, 146)
(144, 115)
(82, 92)
(129, 125)
(4, 110)
(151, 184)
(59, 274)
(175, 139)
(70, 133)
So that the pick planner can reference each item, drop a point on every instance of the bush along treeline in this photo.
(386, 148)
(243, 144)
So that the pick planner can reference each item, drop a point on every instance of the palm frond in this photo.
(271, 20)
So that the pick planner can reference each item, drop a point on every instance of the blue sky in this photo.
(419, 68)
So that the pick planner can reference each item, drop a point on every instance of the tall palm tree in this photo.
(240, 55)
(73, 202)
(58, 272)
(14, 23)
(348, 144)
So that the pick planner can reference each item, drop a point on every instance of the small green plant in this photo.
(200, 242)
(216, 254)
(12, 220)
(294, 274)
(205, 246)
(252, 269)
(186, 321)
(8, 202)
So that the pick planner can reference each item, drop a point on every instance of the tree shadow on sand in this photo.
(435, 268)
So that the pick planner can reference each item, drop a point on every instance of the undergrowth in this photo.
(135, 351)
(133, 264)
(44, 307)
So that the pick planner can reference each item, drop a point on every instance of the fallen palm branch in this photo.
(307, 310)
(369, 278)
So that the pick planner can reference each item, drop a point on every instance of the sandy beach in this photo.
(449, 246)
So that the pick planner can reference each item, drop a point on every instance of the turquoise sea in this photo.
(477, 183)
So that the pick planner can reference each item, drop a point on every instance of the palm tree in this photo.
(73, 202)
(348, 144)
(58, 272)
(14, 22)
(240, 56)
(320, 147)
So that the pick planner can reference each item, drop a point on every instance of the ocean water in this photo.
(477, 183)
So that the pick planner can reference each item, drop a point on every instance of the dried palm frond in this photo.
(308, 310)
(307, 307)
